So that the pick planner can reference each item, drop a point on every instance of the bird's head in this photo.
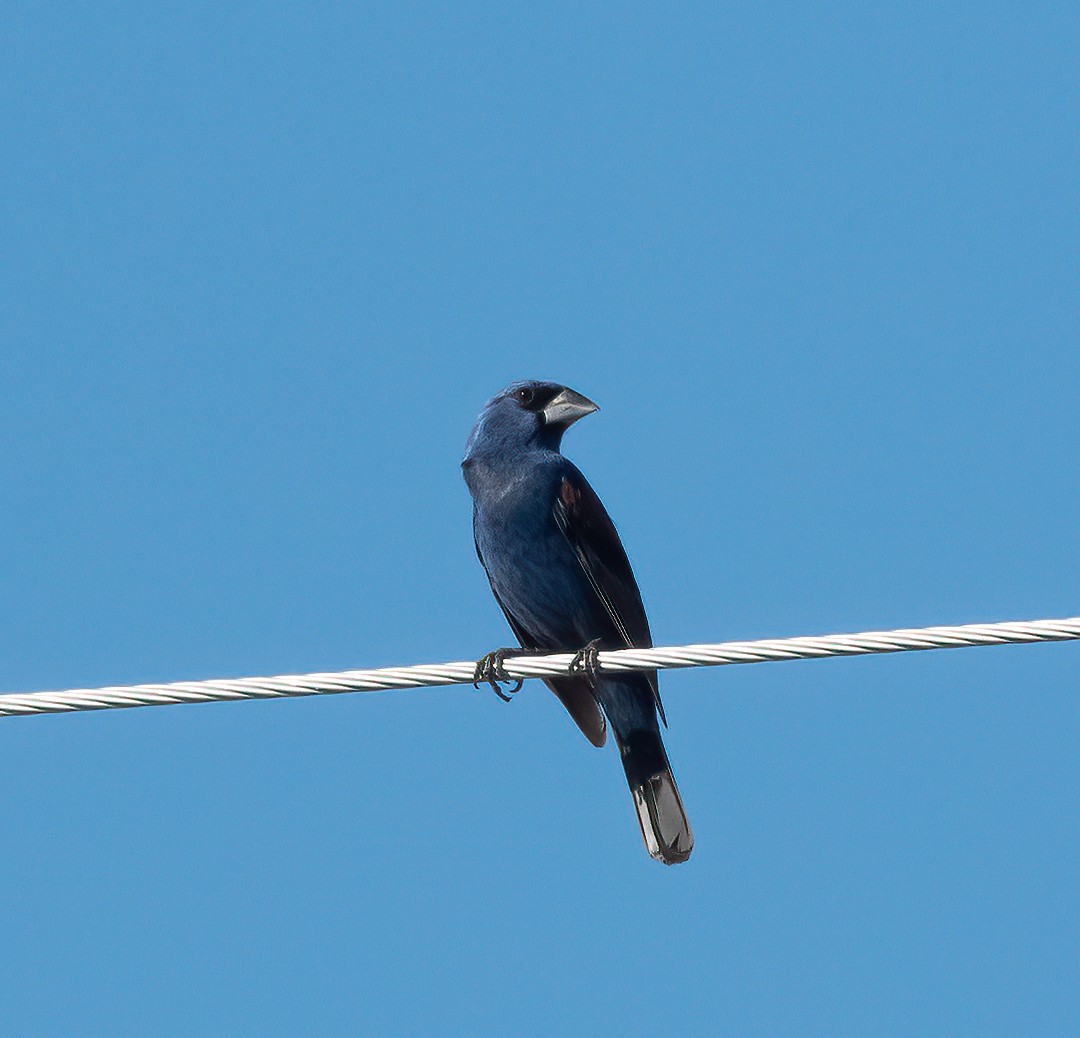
(527, 414)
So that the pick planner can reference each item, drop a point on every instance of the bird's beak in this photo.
(567, 408)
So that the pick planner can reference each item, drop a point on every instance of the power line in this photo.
(428, 675)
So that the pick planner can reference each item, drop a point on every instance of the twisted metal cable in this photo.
(427, 675)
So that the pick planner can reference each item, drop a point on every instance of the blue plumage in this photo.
(559, 572)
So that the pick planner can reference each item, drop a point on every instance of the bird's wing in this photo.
(575, 694)
(585, 523)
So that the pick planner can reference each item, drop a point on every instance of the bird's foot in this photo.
(587, 661)
(490, 671)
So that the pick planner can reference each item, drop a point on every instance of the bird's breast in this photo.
(534, 573)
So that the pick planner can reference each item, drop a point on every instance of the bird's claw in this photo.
(587, 661)
(490, 671)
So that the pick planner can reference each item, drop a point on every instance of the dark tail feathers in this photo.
(660, 811)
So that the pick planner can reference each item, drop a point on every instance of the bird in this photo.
(561, 576)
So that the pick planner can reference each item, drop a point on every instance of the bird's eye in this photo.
(525, 395)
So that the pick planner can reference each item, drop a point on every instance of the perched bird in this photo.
(559, 572)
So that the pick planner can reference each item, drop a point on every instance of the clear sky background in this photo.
(261, 267)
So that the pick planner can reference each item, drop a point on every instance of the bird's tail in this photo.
(661, 815)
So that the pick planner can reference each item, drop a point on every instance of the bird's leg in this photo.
(490, 670)
(587, 661)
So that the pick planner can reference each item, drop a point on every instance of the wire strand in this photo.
(554, 665)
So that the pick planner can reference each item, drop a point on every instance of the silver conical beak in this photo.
(567, 408)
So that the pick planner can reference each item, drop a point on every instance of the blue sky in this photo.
(261, 268)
